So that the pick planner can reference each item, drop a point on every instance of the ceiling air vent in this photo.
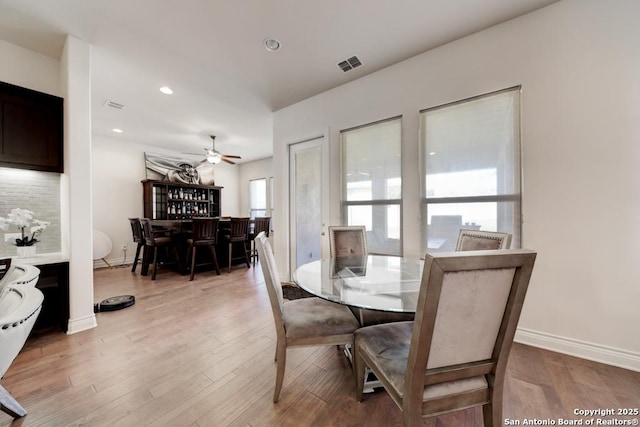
(349, 64)
(112, 104)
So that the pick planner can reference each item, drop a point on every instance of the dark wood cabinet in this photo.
(169, 200)
(31, 129)
(54, 284)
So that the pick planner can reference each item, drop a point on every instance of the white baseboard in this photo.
(81, 324)
(114, 262)
(585, 350)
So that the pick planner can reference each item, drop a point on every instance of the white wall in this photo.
(69, 78)
(118, 169)
(580, 110)
(23, 67)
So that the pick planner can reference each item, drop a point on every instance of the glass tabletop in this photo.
(377, 282)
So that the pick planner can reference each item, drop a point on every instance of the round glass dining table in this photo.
(376, 282)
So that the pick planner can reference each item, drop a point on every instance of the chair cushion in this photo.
(201, 242)
(389, 345)
(162, 240)
(315, 317)
(374, 317)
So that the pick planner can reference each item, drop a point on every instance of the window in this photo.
(471, 164)
(372, 183)
(258, 197)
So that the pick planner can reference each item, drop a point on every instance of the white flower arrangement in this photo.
(23, 219)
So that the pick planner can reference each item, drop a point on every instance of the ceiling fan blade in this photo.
(231, 156)
(228, 161)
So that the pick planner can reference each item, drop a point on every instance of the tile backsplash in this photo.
(38, 192)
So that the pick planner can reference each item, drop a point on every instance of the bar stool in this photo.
(238, 233)
(205, 233)
(260, 224)
(136, 231)
(151, 241)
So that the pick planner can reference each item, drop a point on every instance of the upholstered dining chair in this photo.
(138, 238)
(204, 234)
(153, 242)
(260, 224)
(238, 233)
(302, 322)
(476, 240)
(19, 309)
(347, 241)
(454, 355)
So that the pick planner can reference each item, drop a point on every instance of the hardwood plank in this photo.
(201, 353)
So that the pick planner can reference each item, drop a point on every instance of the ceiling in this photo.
(211, 53)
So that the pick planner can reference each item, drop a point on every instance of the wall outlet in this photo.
(11, 237)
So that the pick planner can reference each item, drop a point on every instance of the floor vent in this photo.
(349, 64)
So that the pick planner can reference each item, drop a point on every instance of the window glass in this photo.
(257, 197)
(372, 183)
(471, 164)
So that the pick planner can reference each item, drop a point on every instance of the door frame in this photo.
(321, 140)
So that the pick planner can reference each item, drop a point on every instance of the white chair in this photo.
(19, 309)
(102, 246)
(20, 274)
(347, 240)
(301, 322)
(348, 243)
(454, 355)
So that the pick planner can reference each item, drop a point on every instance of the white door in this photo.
(308, 192)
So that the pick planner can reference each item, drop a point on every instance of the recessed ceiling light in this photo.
(116, 130)
(271, 44)
(433, 153)
(166, 90)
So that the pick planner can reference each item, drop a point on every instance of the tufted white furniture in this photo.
(454, 355)
(19, 309)
(20, 274)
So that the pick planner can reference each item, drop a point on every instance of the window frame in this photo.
(515, 198)
(346, 204)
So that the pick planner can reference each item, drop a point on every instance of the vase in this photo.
(26, 251)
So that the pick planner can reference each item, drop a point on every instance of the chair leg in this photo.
(144, 269)
(215, 259)
(193, 262)
(254, 252)
(9, 405)
(359, 369)
(492, 411)
(230, 255)
(155, 259)
(244, 251)
(135, 259)
(281, 360)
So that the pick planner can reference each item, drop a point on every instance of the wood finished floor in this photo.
(201, 354)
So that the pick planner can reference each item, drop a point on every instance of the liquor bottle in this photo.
(181, 194)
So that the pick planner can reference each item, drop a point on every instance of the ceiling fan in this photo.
(214, 156)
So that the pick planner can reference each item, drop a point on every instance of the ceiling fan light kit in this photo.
(214, 157)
